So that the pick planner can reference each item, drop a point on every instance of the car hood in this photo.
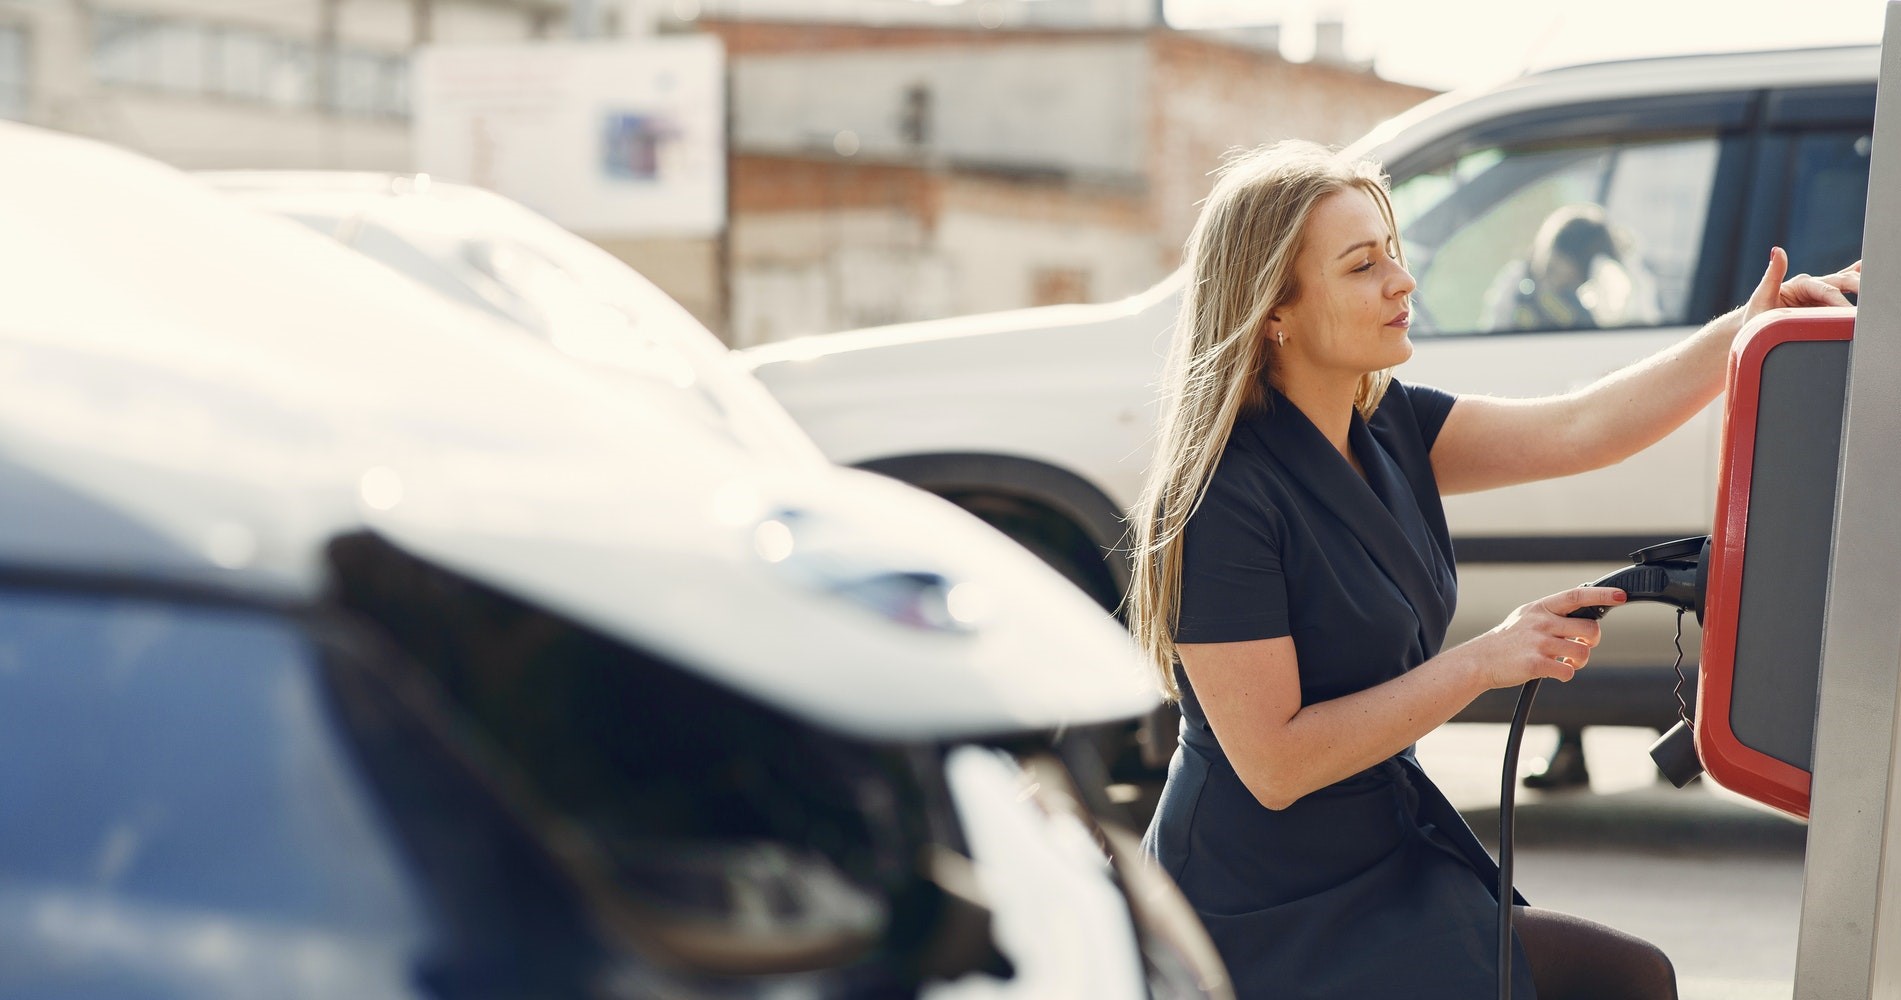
(924, 336)
(842, 597)
(199, 393)
(913, 370)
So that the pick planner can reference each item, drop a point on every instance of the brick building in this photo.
(889, 160)
(885, 173)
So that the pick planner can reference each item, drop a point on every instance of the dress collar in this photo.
(1380, 510)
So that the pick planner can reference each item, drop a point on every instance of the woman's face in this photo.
(1353, 310)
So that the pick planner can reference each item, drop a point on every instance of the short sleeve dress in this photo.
(1372, 886)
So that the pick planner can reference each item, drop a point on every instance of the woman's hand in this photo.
(1773, 292)
(1537, 640)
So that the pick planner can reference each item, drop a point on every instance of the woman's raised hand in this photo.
(1538, 640)
(1774, 292)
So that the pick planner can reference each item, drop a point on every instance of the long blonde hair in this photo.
(1240, 260)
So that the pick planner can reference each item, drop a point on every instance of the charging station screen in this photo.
(1785, 575)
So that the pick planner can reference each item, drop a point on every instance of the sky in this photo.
(1446, 44)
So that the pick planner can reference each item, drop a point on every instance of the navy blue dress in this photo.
(1372, 886)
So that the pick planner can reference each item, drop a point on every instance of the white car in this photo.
(354, 644)
(1042, 421)
(482, 250)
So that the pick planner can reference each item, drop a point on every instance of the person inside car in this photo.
(1580, 274)
(1294, 579)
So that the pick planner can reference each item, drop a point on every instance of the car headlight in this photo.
(1078, 909)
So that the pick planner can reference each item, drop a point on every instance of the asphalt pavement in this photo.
(1711, 878)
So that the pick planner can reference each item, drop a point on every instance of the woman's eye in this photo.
(1368, 266)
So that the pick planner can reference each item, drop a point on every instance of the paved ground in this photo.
(1711, 878)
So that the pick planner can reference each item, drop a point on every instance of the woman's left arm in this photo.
(1489, 442)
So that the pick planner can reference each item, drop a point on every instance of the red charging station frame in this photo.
(1726, 758)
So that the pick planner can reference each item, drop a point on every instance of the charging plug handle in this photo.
(1672, 573)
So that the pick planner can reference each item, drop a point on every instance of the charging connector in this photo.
(1674, 573)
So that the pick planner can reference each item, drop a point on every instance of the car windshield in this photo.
(208, 800)
(180, 804)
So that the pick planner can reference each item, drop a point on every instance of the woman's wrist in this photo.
(1465, 666)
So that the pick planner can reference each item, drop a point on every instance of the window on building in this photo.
(371, 84)
(13, 72)
(914, 115)
(244, 64)
(242, 59)
(290, 74)
(1585, 235)
(122, 51)
(181, 57)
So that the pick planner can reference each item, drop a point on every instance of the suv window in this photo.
(1828, 198)
(1557, 237)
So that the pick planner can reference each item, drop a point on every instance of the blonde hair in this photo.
(1240, 260)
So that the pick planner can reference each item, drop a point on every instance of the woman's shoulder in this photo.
(1245, 481)
(1246, 460)
(1421, 409)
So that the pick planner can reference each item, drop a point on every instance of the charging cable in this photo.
(1507, 793)
(1672, 573)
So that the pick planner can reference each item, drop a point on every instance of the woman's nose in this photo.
(1403, 283)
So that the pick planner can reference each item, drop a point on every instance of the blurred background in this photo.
(785, 167)
(791, 167)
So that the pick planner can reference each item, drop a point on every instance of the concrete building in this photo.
(889, 160)
(1058, 14)
(217, 83)
(884, 173)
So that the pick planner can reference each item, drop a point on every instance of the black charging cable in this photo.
(1671, 573)
(1507, 794)
(1507, 798)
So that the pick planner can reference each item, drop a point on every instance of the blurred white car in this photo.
(354, 644)
(495, 255)
(1041, 421)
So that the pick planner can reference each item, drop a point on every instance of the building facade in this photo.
(218, 84)
(886, 173)
(888, 160)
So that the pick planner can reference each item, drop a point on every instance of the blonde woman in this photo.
(1293, 582)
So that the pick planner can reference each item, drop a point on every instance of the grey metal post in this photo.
(1850, 943)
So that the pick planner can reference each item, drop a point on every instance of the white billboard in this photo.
(610, 139)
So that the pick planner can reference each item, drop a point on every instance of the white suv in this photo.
(1687, 169)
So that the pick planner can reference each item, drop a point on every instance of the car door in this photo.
(1484, 215)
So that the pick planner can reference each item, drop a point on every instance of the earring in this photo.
(1280, 337)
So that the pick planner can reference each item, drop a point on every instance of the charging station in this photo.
(1850, 939)
(1801, 668)
(1768, 558)
(1798, 589)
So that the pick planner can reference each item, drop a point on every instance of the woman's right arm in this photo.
(1250, 692)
